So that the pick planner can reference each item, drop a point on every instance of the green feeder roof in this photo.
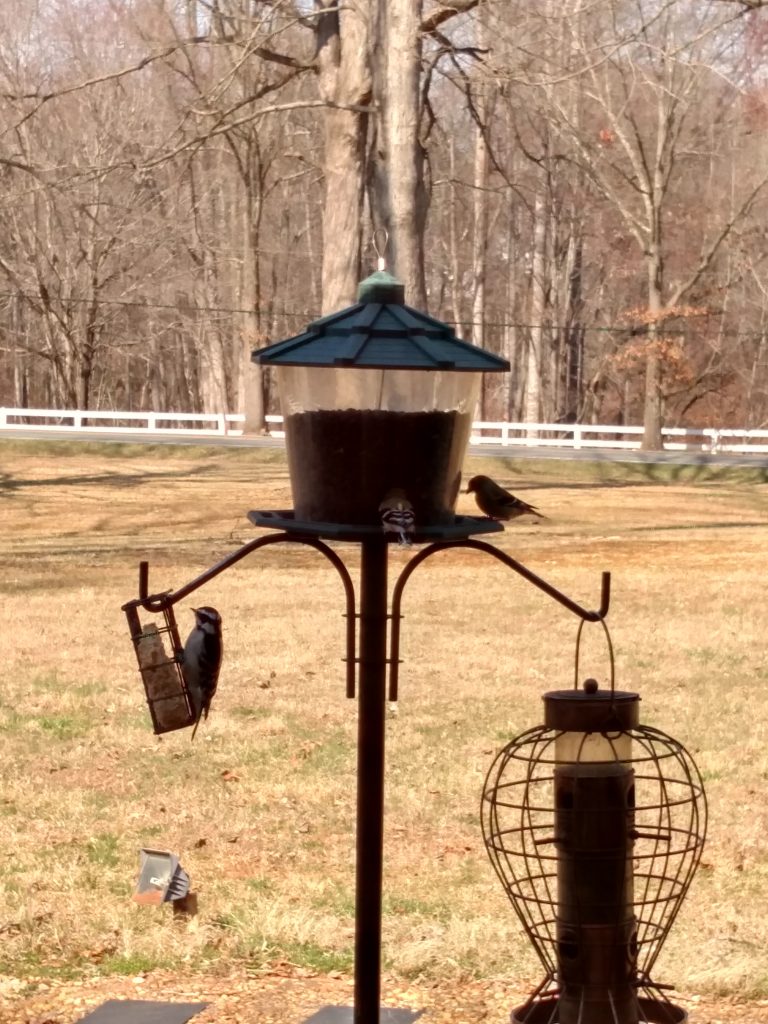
(380, 333)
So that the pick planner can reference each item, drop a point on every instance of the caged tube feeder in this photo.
(595, 825)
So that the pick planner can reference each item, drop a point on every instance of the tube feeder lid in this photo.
(591, 710)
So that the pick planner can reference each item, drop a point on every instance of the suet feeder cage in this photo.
(595, 825)
(158, 652)
(375, 397)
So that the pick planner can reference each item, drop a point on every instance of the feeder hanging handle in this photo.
(611, 659)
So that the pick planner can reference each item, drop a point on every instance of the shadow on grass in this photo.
(698, 472)
(695, 526)
(10, 484)
(575, 475)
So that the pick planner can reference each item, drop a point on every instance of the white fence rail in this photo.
(83, 421)
(582, 435)
(576, 436)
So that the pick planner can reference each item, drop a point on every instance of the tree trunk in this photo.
(401, 195)
(453, 241)
(342, 55)
(250, 378)
(18, 354)
(480, 203)
(532, 405)
(479, 249)
(652, 410)
(511, 405)
(343, 208)
(652, 439)
(572, 357)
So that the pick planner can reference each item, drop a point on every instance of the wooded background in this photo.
(580, 186)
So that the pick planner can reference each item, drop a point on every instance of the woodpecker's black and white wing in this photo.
(201, 662)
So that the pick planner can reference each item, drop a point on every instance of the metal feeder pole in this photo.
(370, 779)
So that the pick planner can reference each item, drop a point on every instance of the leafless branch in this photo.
(446, 11)
(275, 109)
(42, 98)
(714, 246)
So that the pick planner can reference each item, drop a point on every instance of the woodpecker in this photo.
(498, 503)
(397, 516)
(201, 661)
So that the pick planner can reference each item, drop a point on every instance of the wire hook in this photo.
(381, 262)
(611, 658)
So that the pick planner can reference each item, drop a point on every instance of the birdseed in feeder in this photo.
(342, 462)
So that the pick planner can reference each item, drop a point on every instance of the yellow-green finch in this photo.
(497, 503)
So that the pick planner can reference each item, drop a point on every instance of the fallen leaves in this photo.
(289, 994)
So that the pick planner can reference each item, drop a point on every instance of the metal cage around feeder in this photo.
(595, 825)
(158, 651)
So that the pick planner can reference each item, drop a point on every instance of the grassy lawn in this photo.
(260, 809)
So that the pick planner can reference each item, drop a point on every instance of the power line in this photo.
(309, 315)
(135, 303)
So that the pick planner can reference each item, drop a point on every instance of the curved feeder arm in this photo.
(397, 594)
(162, 602)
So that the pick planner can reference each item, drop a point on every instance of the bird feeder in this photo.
(595, 825)
(375, 397)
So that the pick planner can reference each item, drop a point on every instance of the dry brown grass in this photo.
(261, 810)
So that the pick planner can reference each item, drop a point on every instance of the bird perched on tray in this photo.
(397, 516)
(201, 661)
(497, 503)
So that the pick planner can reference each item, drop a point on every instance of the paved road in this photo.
(490, 450)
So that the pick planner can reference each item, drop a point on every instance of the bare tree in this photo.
(345, 82)
(400, 197)
(634, 142)
(183, 180)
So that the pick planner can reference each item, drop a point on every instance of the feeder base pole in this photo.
(370, 779)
